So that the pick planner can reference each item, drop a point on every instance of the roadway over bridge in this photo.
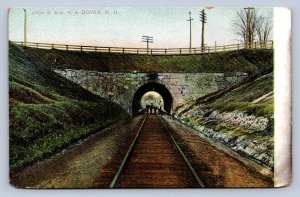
(127, 89)
(224, 59)
(150, 51)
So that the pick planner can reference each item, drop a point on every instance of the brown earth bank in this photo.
(78, 165)
(216, 167)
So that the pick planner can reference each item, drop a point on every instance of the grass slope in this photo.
(241, 98)
(48, 112)
(249, 61)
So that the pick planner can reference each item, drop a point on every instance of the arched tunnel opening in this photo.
(161, 90)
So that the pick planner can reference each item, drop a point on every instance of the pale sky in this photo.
(124, 27)
(158, 100)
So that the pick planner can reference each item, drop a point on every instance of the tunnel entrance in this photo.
(149, 87)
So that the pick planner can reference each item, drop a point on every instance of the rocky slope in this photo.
(242, 120)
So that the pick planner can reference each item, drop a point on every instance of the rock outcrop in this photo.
(248, 135)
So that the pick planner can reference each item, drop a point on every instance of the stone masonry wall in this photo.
(121, 87)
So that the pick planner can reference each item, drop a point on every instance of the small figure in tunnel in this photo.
(151, 108)
(147, 109)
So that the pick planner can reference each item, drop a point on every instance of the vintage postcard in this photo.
(157, 97)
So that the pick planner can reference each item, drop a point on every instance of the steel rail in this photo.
(126, 158)
(192, 169)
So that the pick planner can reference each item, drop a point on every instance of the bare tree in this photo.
(263, 29)
(259, 27)
(244, 18)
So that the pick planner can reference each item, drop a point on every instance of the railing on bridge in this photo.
(151, 51)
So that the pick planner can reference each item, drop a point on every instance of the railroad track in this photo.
(154, 160)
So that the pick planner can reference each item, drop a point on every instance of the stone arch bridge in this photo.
(127, 89)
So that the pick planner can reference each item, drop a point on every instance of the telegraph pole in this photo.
(203, 19)
(248, 26)
(25, 27)
(190, 20)
(147, 39)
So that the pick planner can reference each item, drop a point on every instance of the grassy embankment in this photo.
(240, 99)
(249, 61)
(47, 112)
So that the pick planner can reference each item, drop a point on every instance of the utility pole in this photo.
(215, 46)
(25, 27)
(190, 20)
(203, 19)
(147, 39)
(248, 27)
